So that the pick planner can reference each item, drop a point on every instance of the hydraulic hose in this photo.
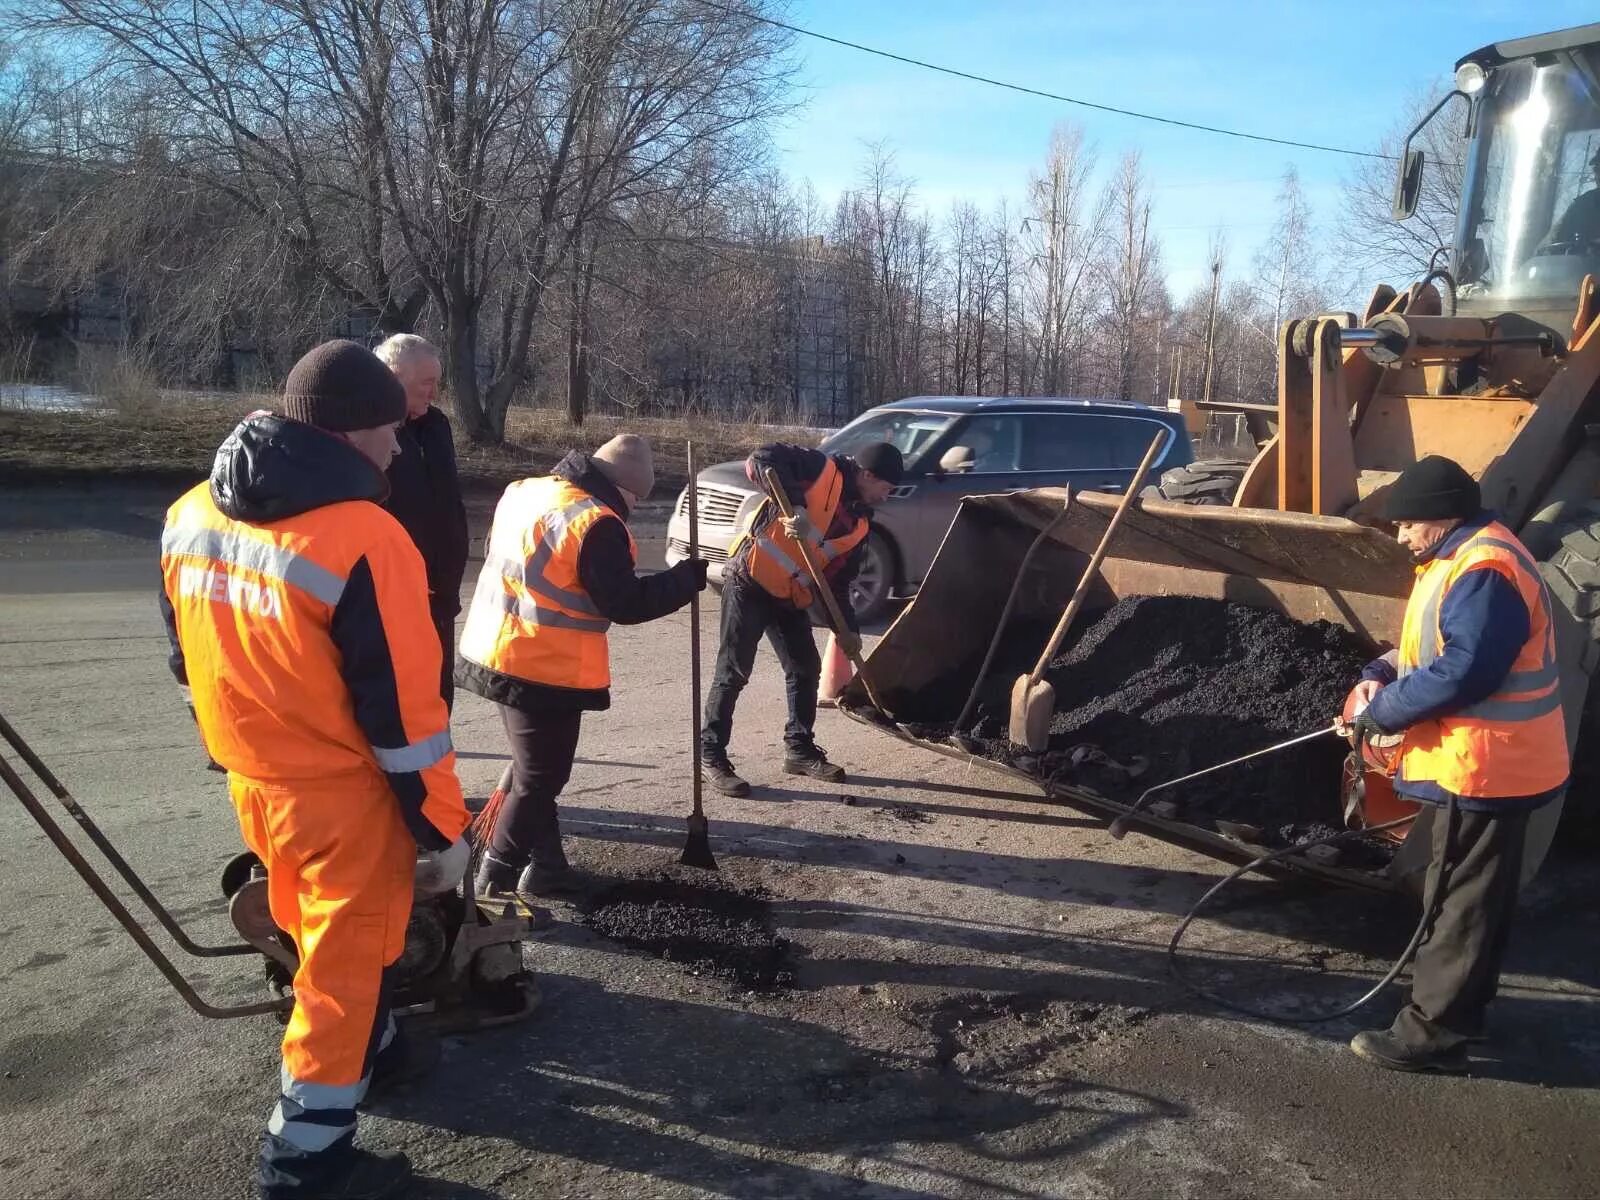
(1430, 913)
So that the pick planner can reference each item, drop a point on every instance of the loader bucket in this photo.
(1308, 567)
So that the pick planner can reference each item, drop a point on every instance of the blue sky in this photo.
(1332, 73)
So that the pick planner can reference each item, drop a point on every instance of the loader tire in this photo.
(1210, 481)
(1572, 573)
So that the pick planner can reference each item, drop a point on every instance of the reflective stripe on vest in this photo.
(1511, 743)
(251, 554)
(530, 617)
(774, 560)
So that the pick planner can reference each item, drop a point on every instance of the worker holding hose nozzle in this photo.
(1474, 693)
(768, 590)
(298, 614)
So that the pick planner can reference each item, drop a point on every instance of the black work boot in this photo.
(371, 1175)
(1383, 1049)
(358, 1175)
(494, 877)
(720, 775)
(549, 879)
(814, 763)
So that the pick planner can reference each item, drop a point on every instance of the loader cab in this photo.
(1528, 227)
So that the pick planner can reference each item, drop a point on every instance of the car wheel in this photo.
(873, 585)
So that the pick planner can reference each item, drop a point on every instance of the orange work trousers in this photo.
(340, 866)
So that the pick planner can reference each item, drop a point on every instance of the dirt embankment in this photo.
(175, 442)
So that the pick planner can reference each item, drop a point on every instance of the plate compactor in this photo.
(462, 964)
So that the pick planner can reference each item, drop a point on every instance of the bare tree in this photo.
(1063, 231)
(445, 152)
(1372, 246)
(1286, 266)
(1130, 269)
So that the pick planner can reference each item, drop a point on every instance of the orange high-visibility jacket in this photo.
(1512, 744)
(773, 558)
(305, 638)
(530, 616)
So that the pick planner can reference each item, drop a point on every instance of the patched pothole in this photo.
(1010, 1036)
(720, 930)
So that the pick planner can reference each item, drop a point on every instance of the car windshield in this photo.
(911, 432)
(1531, 224)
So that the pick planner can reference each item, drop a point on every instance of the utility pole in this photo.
(1211, 314)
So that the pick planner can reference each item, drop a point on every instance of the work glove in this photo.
(799, 527)
(1365, 729)
(441, 870)
(698, 567)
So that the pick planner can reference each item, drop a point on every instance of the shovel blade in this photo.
(697, 846)
(1032, 709)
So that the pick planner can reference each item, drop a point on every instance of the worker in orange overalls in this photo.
(1474, 689)
(298, 614)
(766, 589)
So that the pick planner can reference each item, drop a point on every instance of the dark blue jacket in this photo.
(1485, 625)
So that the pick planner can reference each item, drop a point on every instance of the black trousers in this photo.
(748, 611)
(446, 627)
(542, 750)
(1479, 866)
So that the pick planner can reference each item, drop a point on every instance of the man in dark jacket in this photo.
(424, 491)
(558, 571)
(1474, 692)
(766, 590)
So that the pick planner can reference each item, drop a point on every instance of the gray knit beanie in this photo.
(340, 386)
(626, 461)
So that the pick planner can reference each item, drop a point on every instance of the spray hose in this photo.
(1430, 913)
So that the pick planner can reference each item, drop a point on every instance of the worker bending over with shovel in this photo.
(558, 571)
(767, 590)
(298, 613)
(1474, 693)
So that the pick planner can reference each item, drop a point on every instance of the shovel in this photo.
(697, 846)
(958, 737)
(1033, 701)
(819, 583)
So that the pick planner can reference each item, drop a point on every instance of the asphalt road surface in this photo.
(981, 1003)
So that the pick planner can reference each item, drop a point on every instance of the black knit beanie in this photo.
(340, 386)
(883, 459)
(1433, 489)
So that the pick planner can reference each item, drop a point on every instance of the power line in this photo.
(1039, 92)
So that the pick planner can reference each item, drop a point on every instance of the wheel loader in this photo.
(1492, 359)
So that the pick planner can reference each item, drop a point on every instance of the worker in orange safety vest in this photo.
(298, 615)
(1474, 692)
(766, 589)
(558, 571)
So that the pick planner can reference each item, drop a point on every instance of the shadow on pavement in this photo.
(1271, 943)
(648, 1086)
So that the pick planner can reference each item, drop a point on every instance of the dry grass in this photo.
(178, 438)
(121, 382)
(537, 438)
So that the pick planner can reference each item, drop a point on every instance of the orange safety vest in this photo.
(773, 558)
(254, 607)
(530, 616)
(1513, 743)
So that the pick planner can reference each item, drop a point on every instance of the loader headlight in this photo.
(1469, 78)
